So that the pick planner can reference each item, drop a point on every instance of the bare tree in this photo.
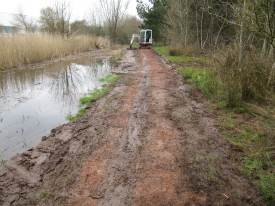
(113, 11)
(178, 22)
(63, 15)
(237, 18)
(263, 23)
(95, 22)
(22, 21)
(48, 20)
(56, 20)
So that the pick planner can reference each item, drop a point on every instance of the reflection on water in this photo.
(33, 101)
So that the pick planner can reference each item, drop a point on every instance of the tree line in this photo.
(108, 18)
(212, 23)
(237, 35)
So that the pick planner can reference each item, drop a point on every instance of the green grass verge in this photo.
(203, 78)
(164, 51)
(257, 161)
(267, 187)
(252, 137)
(110, 79)
(95, 95)
(73, 118)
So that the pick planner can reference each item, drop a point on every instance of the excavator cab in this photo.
(145, 38)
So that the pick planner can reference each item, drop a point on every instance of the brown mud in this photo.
(151, 141)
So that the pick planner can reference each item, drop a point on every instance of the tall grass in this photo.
(181, 55)
(32, 48)
(244, 90)
(252, 79)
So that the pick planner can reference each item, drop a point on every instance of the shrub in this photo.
(193, 51)
(175, 52)
(255, 77)
(229, 72)
(248, 80)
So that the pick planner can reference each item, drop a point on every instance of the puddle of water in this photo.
(33, 101)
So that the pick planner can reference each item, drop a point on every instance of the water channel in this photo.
(35, 100)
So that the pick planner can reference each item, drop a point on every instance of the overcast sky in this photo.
(80, 8)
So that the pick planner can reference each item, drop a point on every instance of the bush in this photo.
(175, 52)
(193, 51)
(255, 77)
(249, 80)
(229, 72)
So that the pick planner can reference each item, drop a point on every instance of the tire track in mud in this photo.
(148, 143)
(140, 164)
(121, 170)
(108, 177)
(160, 179)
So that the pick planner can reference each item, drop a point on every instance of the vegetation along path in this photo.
(150, 141)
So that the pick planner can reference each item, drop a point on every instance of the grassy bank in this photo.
(32, 48)
(248, 124)
(250, 127)
(108, 82)
(180, 57)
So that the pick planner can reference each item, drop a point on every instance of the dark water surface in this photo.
(35, 100)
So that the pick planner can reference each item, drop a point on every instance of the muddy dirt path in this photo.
(151, 141)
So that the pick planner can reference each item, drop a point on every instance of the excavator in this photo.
(144, 38)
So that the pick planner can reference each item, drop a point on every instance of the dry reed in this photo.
(32, 48)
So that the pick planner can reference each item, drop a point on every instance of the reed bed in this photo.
(23, 49)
